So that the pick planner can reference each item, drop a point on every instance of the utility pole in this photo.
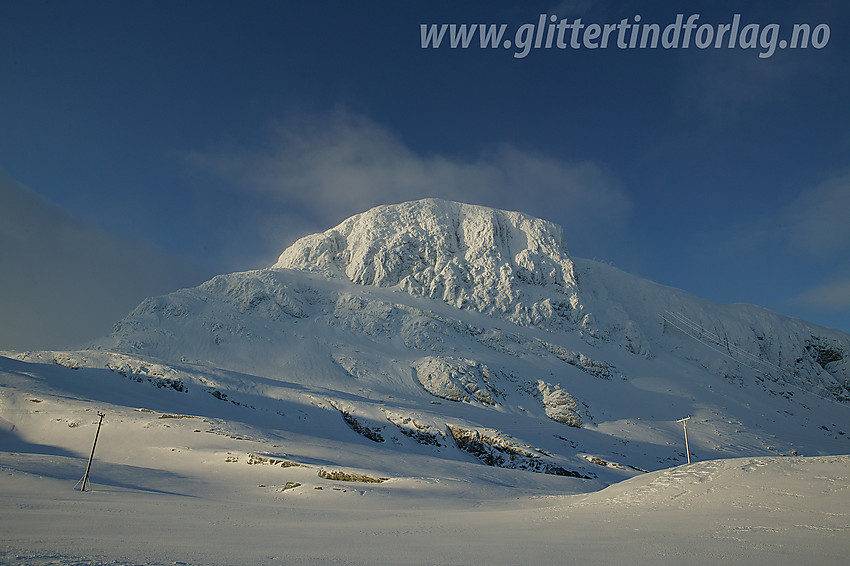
(685, 426)
(88, 468)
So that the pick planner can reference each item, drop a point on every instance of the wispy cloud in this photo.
(817, 228)
(811, 226)
(805, 241)
(720, 88)
(318, 170)
(830, 296)
(817, 219)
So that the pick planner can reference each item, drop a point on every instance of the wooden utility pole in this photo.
(88, 468)
(685, 426)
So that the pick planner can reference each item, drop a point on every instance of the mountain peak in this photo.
(473, 257)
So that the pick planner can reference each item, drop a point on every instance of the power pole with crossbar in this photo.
(88, 468)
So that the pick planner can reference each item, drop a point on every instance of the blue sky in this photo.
(215, 133)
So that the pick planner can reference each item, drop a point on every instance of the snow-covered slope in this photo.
(729, 340)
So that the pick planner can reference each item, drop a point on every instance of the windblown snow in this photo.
(430, 350)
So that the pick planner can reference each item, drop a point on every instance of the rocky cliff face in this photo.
(495, 262)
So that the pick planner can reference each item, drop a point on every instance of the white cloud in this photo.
(803, 243)
(722, 86)
(812, 226)
(321, 170)
(830, 296)
(818, 219)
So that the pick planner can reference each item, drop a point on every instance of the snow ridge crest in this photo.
(473, 257)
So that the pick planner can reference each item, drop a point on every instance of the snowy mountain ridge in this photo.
(439, 326)
(727, 338)
(516, 266)
(458, 335)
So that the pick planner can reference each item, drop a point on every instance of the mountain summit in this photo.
(492, 261)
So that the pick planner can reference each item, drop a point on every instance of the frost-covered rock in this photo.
(423, 433)
(456, 379)
(472, 257)
(500, 450)
(559, 405)
(645, 318)
(580, 360)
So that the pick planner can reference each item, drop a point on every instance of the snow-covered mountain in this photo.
(493, 342)
(469, 334)
(517, 267)
(438, 353)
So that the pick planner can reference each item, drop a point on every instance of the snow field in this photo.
(168, 487)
